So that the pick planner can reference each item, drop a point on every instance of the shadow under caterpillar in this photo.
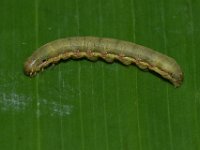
(108, 49)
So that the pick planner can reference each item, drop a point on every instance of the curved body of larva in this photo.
(107, 49)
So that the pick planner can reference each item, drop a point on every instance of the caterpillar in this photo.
(108, 49)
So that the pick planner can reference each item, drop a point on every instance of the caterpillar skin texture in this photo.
(107, 49)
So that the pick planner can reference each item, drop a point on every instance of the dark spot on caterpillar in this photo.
(44, 60)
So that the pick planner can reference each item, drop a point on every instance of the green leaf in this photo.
(80, 105)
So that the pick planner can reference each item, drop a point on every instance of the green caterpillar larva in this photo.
(107, 49)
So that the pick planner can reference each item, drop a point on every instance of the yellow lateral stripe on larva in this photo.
(108, 49)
